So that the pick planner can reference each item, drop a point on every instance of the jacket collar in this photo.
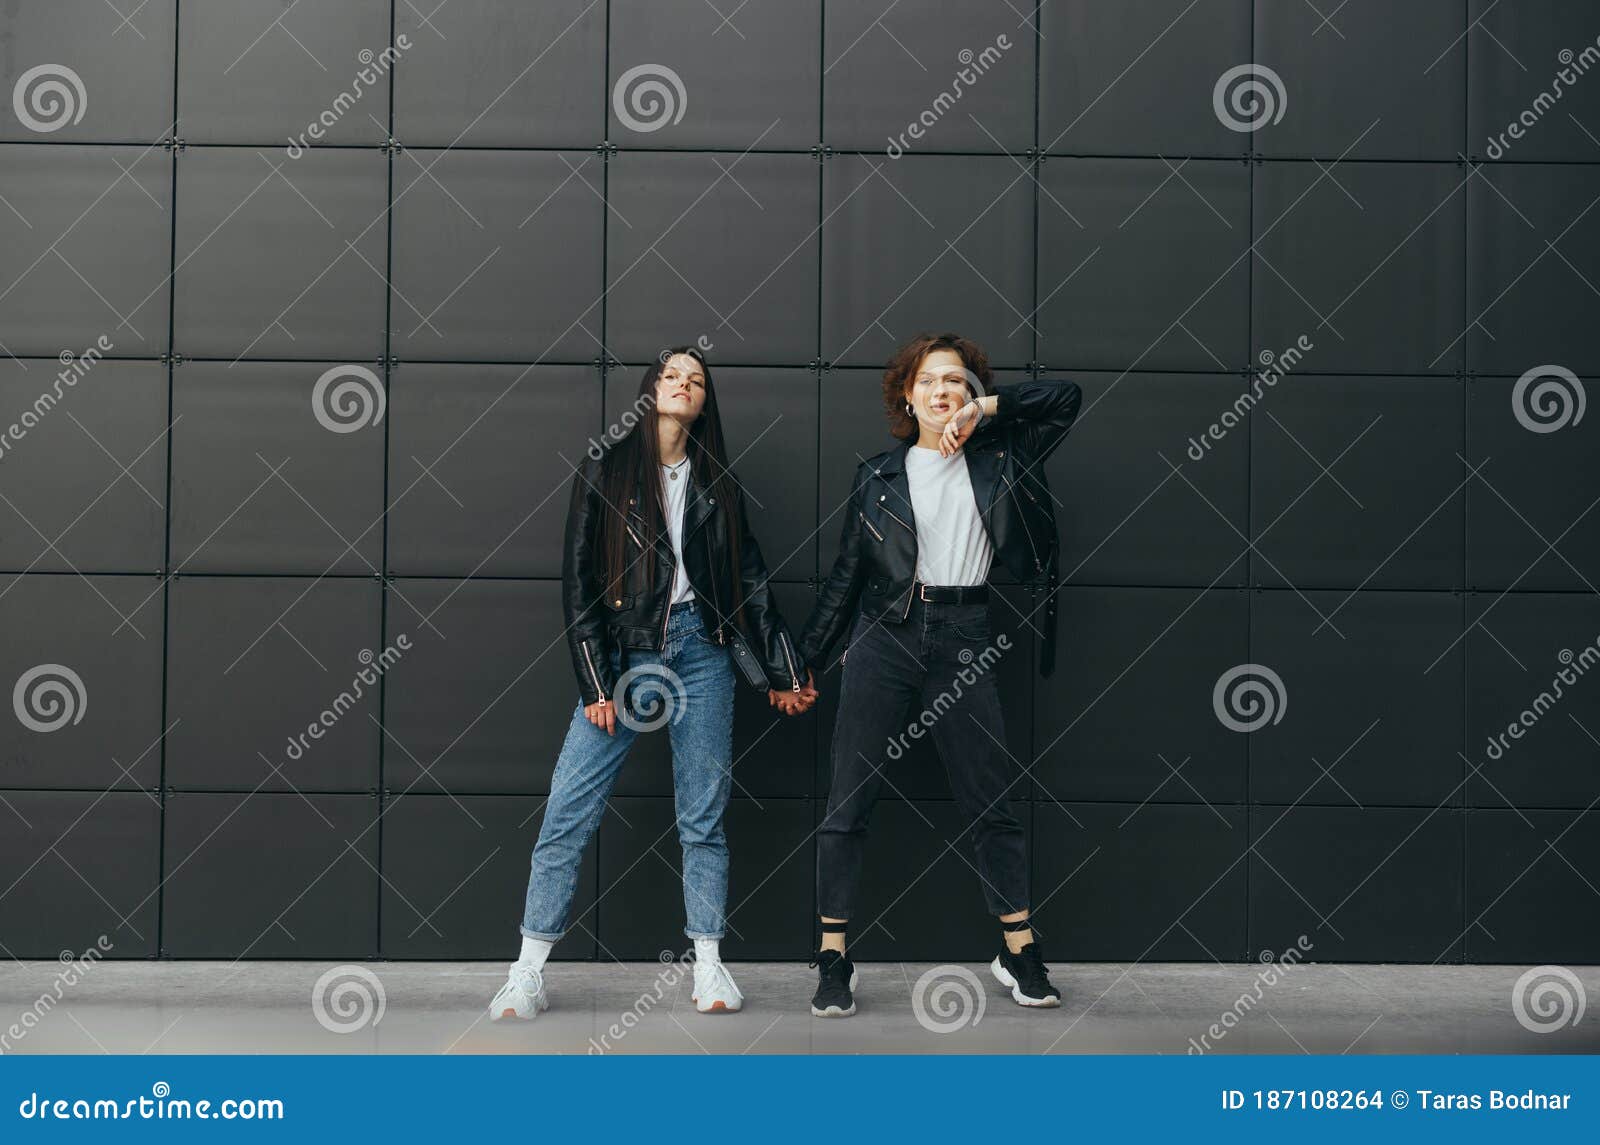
(983, 470)
(700, 504)
(698, 507)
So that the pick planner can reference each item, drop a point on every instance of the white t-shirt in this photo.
(674, 496)
(953, 547)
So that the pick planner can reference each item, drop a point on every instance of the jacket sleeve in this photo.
(1039, 413)
(582, 588)
(840, 593)
(779, 659)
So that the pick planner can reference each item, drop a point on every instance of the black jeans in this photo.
(936, 673)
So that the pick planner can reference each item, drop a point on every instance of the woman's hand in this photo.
(961, 425)
(602, 714)
(792, 703)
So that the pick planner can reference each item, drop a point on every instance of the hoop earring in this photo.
(909, 410)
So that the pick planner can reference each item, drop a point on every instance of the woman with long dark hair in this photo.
(666, 599)
(925, 521)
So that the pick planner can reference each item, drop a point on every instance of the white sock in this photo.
(534, 952)
(706, 950)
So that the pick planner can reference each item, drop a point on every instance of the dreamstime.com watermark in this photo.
(365, 678)
(1274, 368)
(648, 97)
(74, 368)
(948, 998)
(48, 97)
(1548, 998)
(1248, 697)
(945, 700)
(348, 998)
(1547, 399)
(159, 1106)
(673, 971)
(48, 697)
(347, 398)
(374, 70)
(1573, 67)
(1578, 664)
(641, 405)
(649, 696)
(974, 65)
(1248, 97)
(1274, 967)
(73, 968)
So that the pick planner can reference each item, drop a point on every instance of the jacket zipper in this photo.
(789, 656)
(634, 535)
(595, 676)
(1027, 532)
(869, 525)
(913, 533)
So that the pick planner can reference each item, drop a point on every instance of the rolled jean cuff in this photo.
(703, 934)
(526, 933)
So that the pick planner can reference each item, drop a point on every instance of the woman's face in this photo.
(681, 389)
(939, 388)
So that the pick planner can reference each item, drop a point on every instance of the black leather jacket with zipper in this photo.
(877, 560)
(598, 621)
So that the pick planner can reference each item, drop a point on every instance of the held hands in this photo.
(792, 703)
(602, 714)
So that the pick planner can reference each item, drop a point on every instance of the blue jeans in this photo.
(688, 686)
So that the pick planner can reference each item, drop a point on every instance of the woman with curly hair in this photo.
(925, 521)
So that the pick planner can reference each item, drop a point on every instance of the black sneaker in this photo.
(836, 983)
(1025, 973)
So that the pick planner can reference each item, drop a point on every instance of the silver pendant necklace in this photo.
(672, 470)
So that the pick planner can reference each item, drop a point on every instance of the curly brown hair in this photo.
(902, 371)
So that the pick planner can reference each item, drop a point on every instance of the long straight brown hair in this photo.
(634, 463)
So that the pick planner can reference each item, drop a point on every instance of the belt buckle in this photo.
(922, 593)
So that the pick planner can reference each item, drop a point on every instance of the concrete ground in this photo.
(434, 1007)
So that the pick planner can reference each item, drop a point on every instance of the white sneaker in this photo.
(714, 989)
(522, 996)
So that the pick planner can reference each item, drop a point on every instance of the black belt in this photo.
(949, 593)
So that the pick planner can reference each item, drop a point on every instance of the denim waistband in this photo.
(684, 614)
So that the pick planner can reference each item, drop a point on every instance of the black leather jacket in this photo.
(596, 621)
(877, 559)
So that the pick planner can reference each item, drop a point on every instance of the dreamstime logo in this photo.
(1273, 368)
(357, 401)
(947, 998)
(53, 91)
(965, 678)
(1573, 66)
(75, 367)
(48, 697)
(1274, 967)
(1555, 996)
(365, 678)
(1244, 703)
(649, 96)
(675, 967)
(73, 968)
(657, 697)
(945, 379)
(348, 998)
(702, 343)
(1548, 398)
(1248, 97)
(1573, 667)
(368, 78)
(973, 66)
